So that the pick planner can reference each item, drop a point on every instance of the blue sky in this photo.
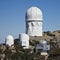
(12, 16)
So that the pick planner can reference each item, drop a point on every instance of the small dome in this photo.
(9, 37)
(24, 37)
(33, 13)
(9, 40)
(43, 42)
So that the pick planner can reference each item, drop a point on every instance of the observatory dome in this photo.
(24, 40)
(33, 13)
(24, 37)
(43, 42)
(9, 40)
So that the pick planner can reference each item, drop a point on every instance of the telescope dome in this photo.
(33, 13)
(9, 40)
(24, 40)
(24, 37)
(43, 42)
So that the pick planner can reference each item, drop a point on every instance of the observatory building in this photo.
(34, 21)
(24, 40)
(9, 40)
(43, 45)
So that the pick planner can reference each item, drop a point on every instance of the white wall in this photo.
(34, 28)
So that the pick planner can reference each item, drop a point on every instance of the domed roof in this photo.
(34, 13)
(9, 37)
(9, 40)
(24, 37)
(43, 42)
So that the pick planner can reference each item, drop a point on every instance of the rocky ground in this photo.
(16, 52)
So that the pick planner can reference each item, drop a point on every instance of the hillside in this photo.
(16, 51)
(55, 35)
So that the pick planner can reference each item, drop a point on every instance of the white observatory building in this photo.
(34, 21)
(43, 45)
(9, 40)
(24, 40)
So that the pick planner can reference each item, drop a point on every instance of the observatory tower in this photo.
(24, 40)
(34, 21)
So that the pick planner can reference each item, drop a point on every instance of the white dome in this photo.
(24, 37)
(43, 42)
(9, 40)
(34, 13)
(9, 37)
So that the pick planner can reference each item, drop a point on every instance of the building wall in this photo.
(34, 28)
